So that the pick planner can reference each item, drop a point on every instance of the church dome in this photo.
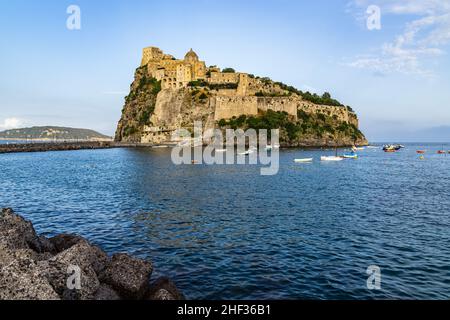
(191, 56)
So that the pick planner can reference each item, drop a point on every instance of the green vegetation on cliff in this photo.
(228, 70)
(325, 99)
(308, 126)
(139, 106)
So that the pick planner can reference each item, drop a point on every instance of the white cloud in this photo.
(11, 123)
(424, 36)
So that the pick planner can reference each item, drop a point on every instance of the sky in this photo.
(396, 77)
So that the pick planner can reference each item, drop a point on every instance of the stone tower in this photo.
(191, 57)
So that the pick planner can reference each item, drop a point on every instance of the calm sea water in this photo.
(225, 232)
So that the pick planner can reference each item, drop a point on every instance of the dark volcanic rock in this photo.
(47, 245)
(17, 233)
(20, 277)
(89, 285)
(89, 259)
(127, 275)
(105, 292)
(164, 289)
(62, 242)
(83, 254)
(33, 267)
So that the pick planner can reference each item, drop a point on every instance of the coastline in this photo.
(71, 146)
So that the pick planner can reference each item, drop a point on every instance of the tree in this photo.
(228, 70)
(326, 96)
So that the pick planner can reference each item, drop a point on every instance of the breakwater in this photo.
(65, 146)
(69, 267)
(54, 146)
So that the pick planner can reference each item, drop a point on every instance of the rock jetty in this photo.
(54, 146)
(69, 267)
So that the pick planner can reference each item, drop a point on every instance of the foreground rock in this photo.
(68, 267)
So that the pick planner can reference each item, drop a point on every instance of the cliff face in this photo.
(139, 106)
(154, 110)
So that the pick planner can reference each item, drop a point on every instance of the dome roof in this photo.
(191, 56)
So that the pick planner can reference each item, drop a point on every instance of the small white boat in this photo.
(331, 158)
(372, 147)
(221, 150)
(350, 156)
(160, 146)
(246, 153)
(304, 160)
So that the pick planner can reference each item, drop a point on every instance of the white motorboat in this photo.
(246, 153)
(303, 160)
(331, 158)
(271, 147)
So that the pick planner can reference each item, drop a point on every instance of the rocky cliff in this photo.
(234, 100)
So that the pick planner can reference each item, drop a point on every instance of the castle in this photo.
(190, 91)
(176, 74)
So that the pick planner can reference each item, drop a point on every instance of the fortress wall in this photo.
(220, 77)
(227, 92)
(229, 107)
(280, 104)
(341, 113)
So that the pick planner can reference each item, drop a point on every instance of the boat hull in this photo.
(303, 160)
(331, 158)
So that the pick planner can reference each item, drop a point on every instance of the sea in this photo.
(313, 231)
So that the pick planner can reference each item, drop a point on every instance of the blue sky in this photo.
(396, 78)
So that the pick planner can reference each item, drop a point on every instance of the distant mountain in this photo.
(52, 133)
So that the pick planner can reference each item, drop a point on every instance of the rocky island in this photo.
(53, 133)
(168, 94)
(34, 267)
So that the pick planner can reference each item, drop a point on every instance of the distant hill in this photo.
(52, 133)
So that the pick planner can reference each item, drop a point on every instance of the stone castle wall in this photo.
(221, 78)
(234, 106)
(227, 107)
(279, 104)
(340, 113)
